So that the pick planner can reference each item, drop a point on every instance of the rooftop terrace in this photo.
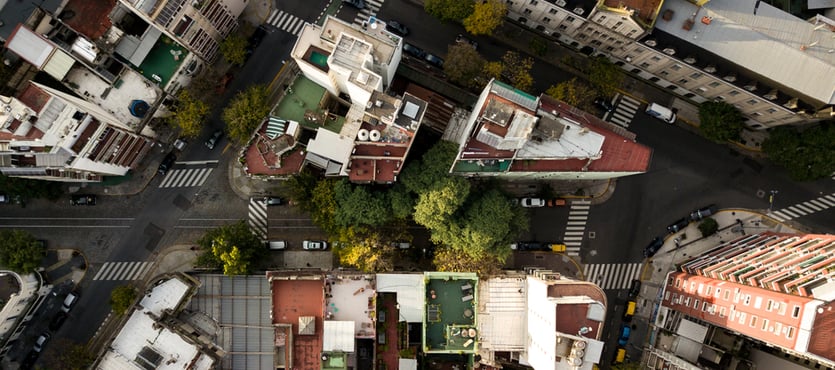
(299, 298)
(351, 298)
(450, 318)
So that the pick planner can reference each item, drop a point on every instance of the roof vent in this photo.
(651, 42)
(579, 11)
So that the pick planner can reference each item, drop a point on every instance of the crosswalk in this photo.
(612, 276)
(258, 217)
(624, 111)
(286, 22)
(371, 9)
(123, 270)
(578, 216)
(802, 209)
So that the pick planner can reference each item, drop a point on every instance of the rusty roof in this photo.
(90, 18)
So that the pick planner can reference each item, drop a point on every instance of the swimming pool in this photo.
(319, 59)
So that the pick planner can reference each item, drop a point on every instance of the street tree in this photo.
(20, 252)
(486, 17)
(436, 206)
(491, 223)
(122, 298)
(464, 65)
(449, 259)
(300, 188)
(367, 252)
(323, 206)
(492, 70)
(359, 206)
(574, 92)
(245, 112)
(517, 70)
(604, 75)
(233, 49)
(30, 189)
(234, 248)
(432, 168)
(63, 354)
(401, 201)
(708, 227)
(720, 121)
(449, 10)
(189, 114)
(807, 155)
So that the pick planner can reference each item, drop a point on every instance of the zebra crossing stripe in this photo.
(186, 177)
(797, 209)
(123, 270)
(780, 217)
(827, 201)
(275, 13)
(804, 207)
(258, 217)
(812, 206)
(612, 276)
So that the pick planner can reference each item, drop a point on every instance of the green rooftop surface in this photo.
(450, 316)
(163, 60)
(303, 101)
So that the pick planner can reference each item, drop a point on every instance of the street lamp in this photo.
(771, 200)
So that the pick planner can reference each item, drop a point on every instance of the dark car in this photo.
(679, 225)
(434, 60)
(634, 288)
(167, 163)
(397, 28)
(359, 4)
(703, 212)
(623, 337)
(255, 40)
(57, 321)
(212, 142)
(273, 201)
(530, 246)
(604, 104)
(414, 50)
(83, 200)
(460, 39)
(653, 247)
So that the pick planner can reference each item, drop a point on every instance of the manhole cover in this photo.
(592, 234)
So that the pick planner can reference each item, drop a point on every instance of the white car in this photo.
(532, 202)
(313, 245)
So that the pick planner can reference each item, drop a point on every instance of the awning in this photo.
(276, 127)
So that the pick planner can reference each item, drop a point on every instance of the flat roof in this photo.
(165, 296)
(410, 292)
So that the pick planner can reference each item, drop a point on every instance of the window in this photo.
(722, 312)
(747, 299)
(540, 28)
(765, 325)
(769, 304)
(671, 87)
(687, 301)
(704, 306)
(563, 27)
(727, 295)
(796, 312)
(689, 95)
(696, 304)
(534, 2)
(712, 309)
(667, 295)
(654, 79)
(692, 287)
(709, 290)
(719, 98)
(678, 283)
(718, 290)
(609, 49)
(753, 102)
(790, 332)
(552, 11)
(683, 81)
(714, 84)
(783, 307)
(655, 58)
(778, 328)
(570, 19)
(664, 73)
(523, 20)
(701, 288)
(696, 75)
(638, 50)
(703, 90)
(644, 65)
(753, 322)
(771, 110)
(733, 93)
(546, 20)
(676, 67)
(742, 317)
(527, 11)
(758, 302)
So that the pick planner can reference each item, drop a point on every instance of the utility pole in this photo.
(771, 200)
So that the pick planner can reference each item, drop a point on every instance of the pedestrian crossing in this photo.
(123, 270)
(575, 228)
(624, 111)
(370, 10)
(802, 209)
(185, 177)
(258, 217)
(286, 22)
(612, 276)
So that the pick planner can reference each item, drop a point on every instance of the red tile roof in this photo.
(91, 17)
(571, 317)
(822, 341)
(261, 158)
(34, 97)
(300, 297)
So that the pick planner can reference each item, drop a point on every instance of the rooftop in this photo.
(643, 10)
(383, 45)
(450, 324)
(298, 304)
(731, 30)
(89, 18)
(350, 298)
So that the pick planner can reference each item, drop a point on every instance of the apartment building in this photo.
(514, 135)
(50, 135)
(770, 289)
(777, 69)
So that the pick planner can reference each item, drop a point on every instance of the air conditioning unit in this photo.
(579, 11)
(560, 2)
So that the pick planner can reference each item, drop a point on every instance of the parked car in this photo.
(83, 200)
(359, 4)
(634, 288)
(653, 247)
(69, 302)
(4, 199)
(460, 39)
(401, 245)
(274, 201)
(604, 104)
(555, 202)
(57, 321)
(397, 28)
(277, 245)
(703, 212)
(528, 246)
(679, 225)
(167, 163)
(41, 342)
(180, 144)
(532, 202)
(623, 337)
(414, 50)
(255, 40)
(312, 245)
(434, 60)
(212, 142)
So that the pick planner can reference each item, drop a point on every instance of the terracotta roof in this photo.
(292, 299)
(571, 317)
(33, 97)
(822, 341)
(91, 18)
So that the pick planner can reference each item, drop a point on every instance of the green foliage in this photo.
(366, 252)
(189, 114)
(122, 298)
(245, 112)
(449, 10)
(30, 189)
(626, 366)
(708, 227)
(232, 247)
(20, 253)
(464, 65)
(517, 70)
(437, 204)
(604, 75)
(574, 92)
(451, 260)
(359, 206)
(402, 202)
(807, 155)
(539, 46)
(720, 121)
(300, 188)
(63, 354)
(486, 16)
(233, 49)
(433, 166)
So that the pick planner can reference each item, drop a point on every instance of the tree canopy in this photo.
(233, 247)
(368, 252)
(245, 112)
(30, 189)
(189, 114)
(449, 10)
(465, 66)
(574, 92)
(21, 252)
(605, 76)
(720, 121)
(233, 49)
(517, 70)
(359, 206)
(807, 155)
(122, 298)
(486, 16)
(64, 354)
